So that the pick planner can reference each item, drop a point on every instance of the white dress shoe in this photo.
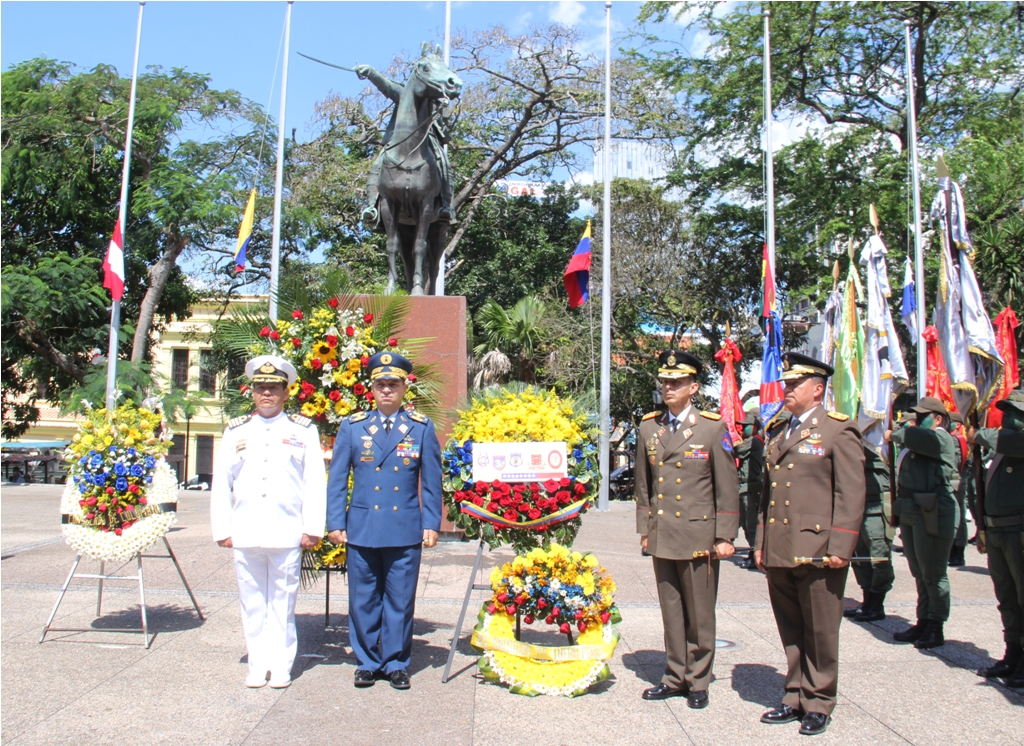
(255, 679)
(280, 682)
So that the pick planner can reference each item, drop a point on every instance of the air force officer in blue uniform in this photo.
(394, 458)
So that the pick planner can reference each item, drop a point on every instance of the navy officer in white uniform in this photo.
(395, 510)
(268, 502)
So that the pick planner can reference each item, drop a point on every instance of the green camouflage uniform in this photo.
(876, 534)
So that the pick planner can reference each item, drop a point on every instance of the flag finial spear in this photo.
(873, 217)
(941, 169)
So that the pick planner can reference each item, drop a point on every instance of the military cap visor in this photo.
(271, 369)
(930, 405)
(1014, 401)
(796, 365)
(673, 364)
(389, 366)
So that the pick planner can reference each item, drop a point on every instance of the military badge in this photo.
(727, 443)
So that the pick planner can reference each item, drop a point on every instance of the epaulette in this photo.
(298, 419)
(417, 416)
(359, 416)
(650, 416)
(711, 415)
(839, 416)
(236, 421)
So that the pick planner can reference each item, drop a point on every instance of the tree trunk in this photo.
(159, 274)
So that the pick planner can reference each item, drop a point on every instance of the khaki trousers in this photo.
(687, 592)
(808, 606)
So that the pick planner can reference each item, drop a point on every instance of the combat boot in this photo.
(932, 637)
(911, 634)
(956, 557)
(1016, 679)
(852, 613)
(1006, 666)
(872, 610)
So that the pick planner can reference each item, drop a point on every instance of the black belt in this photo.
(1010, 522)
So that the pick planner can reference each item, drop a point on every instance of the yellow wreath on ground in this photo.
(531, 670)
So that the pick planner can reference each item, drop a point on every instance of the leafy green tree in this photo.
(510, 341)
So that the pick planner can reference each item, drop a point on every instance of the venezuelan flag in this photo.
(245, 232)
(577, 275)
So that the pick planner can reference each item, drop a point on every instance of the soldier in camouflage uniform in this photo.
(874, 578)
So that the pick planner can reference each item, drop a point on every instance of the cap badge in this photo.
(385, 359)
(268, 368)
(671, 360)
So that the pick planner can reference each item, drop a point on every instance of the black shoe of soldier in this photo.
(814, 724)
(781, 714)
(911, 634)
(956, 557)
(1006, 666)
(932, 637)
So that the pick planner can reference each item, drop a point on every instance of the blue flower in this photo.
(468, 459)
(577, 453)
(468, 484)
(96, 461)
(149, 462)
(468, 445)
(83, 488)
(120, 469)
(113, 449)
(461, 452)
(137, 471)
(149, 479)
(83, 460)
(121, 484)
(99, 480)
(132, 451)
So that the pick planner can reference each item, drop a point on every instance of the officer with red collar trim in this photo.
(812, 505)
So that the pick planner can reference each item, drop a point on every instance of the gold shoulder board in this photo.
(298, 419)
(650, 415)
(417, 417)
(839, 416)
(235, 422)
(358, 416)
(711, 415)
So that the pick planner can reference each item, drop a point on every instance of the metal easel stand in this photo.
(473, 586)
(101, 576)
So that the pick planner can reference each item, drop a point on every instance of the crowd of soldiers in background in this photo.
(937, 477)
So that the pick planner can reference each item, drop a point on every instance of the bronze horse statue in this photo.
(411, 171)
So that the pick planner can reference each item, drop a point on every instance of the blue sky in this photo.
(236, 43)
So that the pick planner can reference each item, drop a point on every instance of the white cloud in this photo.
(567, 12)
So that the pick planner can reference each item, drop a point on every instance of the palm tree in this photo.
(509, 342)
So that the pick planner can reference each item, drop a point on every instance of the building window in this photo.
(179, 368)
(207, 375)
(204, 458)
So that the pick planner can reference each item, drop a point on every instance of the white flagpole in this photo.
(275, 246)
(606, 268)
(439, 282)
(922, 359)
(769, 155)
(115, 309)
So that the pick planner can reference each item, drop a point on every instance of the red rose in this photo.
(110, 490)
(511, 515)
(605, 616)
(82, 503)
(117, 531)
(491, 608)
(369, 396)
(541, 603)
(510, 609)
(364, 360)
(582, 626)
(244, 388)
(296, 342)
(502, 597)
(459, 496)
(494, 507)
(367, 318)
(128, 524)
(549, 619)
(316, 363)
(307, 388)
(563, 496)
(133, 488)
(528, 619)
(302, 397)
(563, 628)
(505, 501)
(506, 488)
(275, 335)
(265, 331)
(297, 314)
(142, 501)
(478, 501)
(102, 507)
(534, 514)
(334, 396)
(359, 389)
(481, 488)
(90, 516)
(579, 614)
(551, 485)
(412, 378)
(564, 482)
(534, 487)
(393, 342)
(523, 508)
(350, 331)
(556, 611)
(90, 501)
(332, 341)
(333, 302)
(579, 488)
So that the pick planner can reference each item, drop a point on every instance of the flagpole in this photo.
(439, 282)
(606, 268)
(922, 357)
(122, 216)
(769, 156)
(275, 246)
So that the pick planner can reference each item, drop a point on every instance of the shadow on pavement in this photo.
(163, 618)
(756, 682)
(646, 664)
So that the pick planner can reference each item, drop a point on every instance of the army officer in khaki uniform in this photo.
(812, 506)
(687, 500)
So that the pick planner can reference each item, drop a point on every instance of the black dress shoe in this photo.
(399, 680)
(364, 678)
(697, 700)
(663, 691)
(814, 723)
(781, 714)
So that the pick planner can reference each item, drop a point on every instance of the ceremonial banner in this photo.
(113, 264)
(833, 315)
(849, 350)
(908, 307)
(730, 408)
(937, 384)
(519, 462)
(771, 392)
(1006, 341)
(245, 232)
(576, 277)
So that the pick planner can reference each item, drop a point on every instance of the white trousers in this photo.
(268, 584)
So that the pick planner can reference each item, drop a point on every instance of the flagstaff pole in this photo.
(606, 268)
(439, 282)
(122, 216)
(769, 156)
(275, 246)
(922, 359)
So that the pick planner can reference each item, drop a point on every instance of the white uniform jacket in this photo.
(269, 483)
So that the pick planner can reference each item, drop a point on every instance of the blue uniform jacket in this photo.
(389, 472)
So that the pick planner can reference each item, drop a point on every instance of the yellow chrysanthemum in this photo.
(347, 379)
(354, 365)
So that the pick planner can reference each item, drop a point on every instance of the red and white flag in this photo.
(113, 264)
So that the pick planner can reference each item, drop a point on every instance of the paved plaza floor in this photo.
(105, 688)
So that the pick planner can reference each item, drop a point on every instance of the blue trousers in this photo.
(381, 604)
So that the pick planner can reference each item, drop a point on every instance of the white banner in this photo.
(519, 462)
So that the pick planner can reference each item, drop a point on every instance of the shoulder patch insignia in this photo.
(358, 416)
(839, 416)
(711, 415)
(236, 421)
(650, 416)
(298, 419)
(417, 416)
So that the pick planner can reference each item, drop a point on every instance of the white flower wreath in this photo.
(143, 533)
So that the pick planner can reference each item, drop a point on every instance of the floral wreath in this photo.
(562, 588)
(122, 495)
(524, 515)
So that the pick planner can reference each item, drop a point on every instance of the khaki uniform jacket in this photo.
(812, 503)
(687, 487)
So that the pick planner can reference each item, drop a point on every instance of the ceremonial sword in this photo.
(329, 64)
(809, 560)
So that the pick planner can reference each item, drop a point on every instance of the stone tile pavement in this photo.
(92, 688)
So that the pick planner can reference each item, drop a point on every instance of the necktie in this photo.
(794, 425)
(387, 426)
(674, 426)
